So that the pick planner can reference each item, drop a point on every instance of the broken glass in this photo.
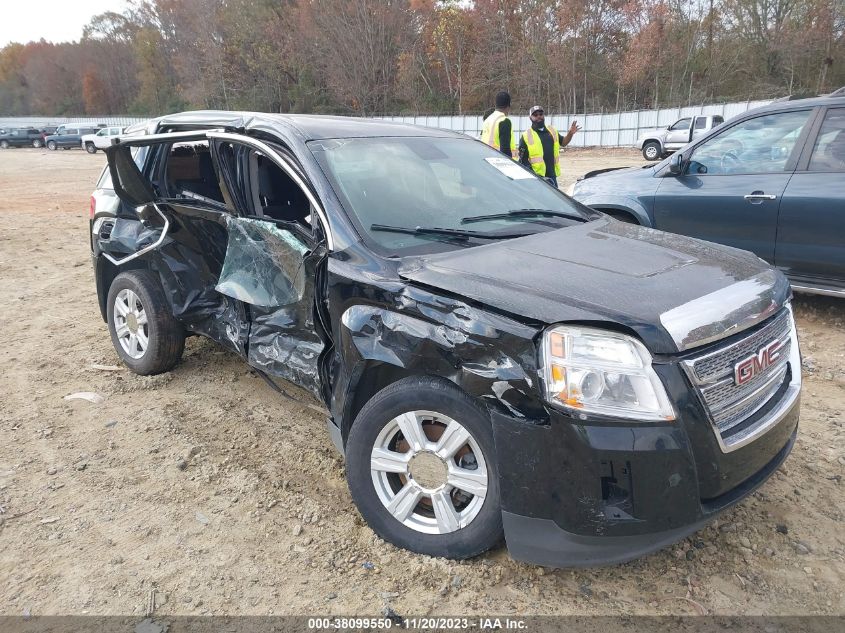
(263, 264)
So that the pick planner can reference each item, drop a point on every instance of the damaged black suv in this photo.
(496, 359)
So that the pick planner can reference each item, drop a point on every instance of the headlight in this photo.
(597, 371)
(570, 190)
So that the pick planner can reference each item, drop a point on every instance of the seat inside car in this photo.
(278, 196)
(190, 169)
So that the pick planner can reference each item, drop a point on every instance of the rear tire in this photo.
(453, 509)
(4, 144)
(37, 143)
(146, 336)
(651, 150)
(90, 148)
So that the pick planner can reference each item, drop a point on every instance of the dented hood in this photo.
(675, 292)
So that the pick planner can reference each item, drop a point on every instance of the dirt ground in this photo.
(203, 491)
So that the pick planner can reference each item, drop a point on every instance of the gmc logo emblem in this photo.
(757, 363)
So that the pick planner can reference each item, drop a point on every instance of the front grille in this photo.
(727, 403)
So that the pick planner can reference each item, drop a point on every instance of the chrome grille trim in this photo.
(720, 363)
(728, 405)
(731, 416)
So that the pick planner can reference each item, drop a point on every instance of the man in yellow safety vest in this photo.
(497, 129)
(539, 146)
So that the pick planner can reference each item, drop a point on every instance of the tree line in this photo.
(428, 56)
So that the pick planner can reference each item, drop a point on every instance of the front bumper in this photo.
(579, 493)
(544, 542)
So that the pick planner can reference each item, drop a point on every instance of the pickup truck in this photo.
(658, 144)
(100, 140)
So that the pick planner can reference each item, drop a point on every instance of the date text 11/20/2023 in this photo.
(424, 623)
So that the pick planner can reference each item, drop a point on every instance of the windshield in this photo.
(439, 183)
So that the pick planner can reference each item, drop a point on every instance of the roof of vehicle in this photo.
(309, 126)
(833, 99)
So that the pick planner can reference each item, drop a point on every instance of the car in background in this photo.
(46, 131)
(101, 139)
(69, 135)
(20, 137)
(770, 181)
(657, 144)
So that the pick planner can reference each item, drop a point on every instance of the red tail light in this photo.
(93, 208)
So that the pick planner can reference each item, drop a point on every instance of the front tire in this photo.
(89, 147)
(37, 143)
(421, 468)
(146, 336)
(4, 144)
(651, 150)
(51, 145)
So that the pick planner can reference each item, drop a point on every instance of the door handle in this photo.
(760, 196)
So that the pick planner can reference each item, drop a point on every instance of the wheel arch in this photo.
(613, 205)
(653, 139)
(623, 215)
(369, 377)
(105, 273)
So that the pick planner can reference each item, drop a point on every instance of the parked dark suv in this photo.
(20, 137)
(494, 358)
(68, 136)
(771, 181)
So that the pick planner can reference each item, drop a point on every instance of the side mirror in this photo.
(676, 164)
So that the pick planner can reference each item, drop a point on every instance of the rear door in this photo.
(699, 126)
(183, 231)
(733, 181)
(811, 230)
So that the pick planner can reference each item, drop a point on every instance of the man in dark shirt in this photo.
(497, 128)
(539, 146)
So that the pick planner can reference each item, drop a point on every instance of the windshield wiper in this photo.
(523, 213)
(454, 233)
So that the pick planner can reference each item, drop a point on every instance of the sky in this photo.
(54, 20)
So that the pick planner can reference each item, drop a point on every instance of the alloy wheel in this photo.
(130, 323)
(429, 472)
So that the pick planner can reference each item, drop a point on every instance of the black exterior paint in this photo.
(475, 317)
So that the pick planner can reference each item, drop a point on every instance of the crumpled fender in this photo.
(490, 357)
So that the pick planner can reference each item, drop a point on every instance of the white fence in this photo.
(619, 129)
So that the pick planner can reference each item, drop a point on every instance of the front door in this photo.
(732, 183)
(678, 134)
(275, 259)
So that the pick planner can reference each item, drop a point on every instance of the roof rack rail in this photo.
(837, 93)
(795, 97)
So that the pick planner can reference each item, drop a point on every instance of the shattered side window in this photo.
(263, 264)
